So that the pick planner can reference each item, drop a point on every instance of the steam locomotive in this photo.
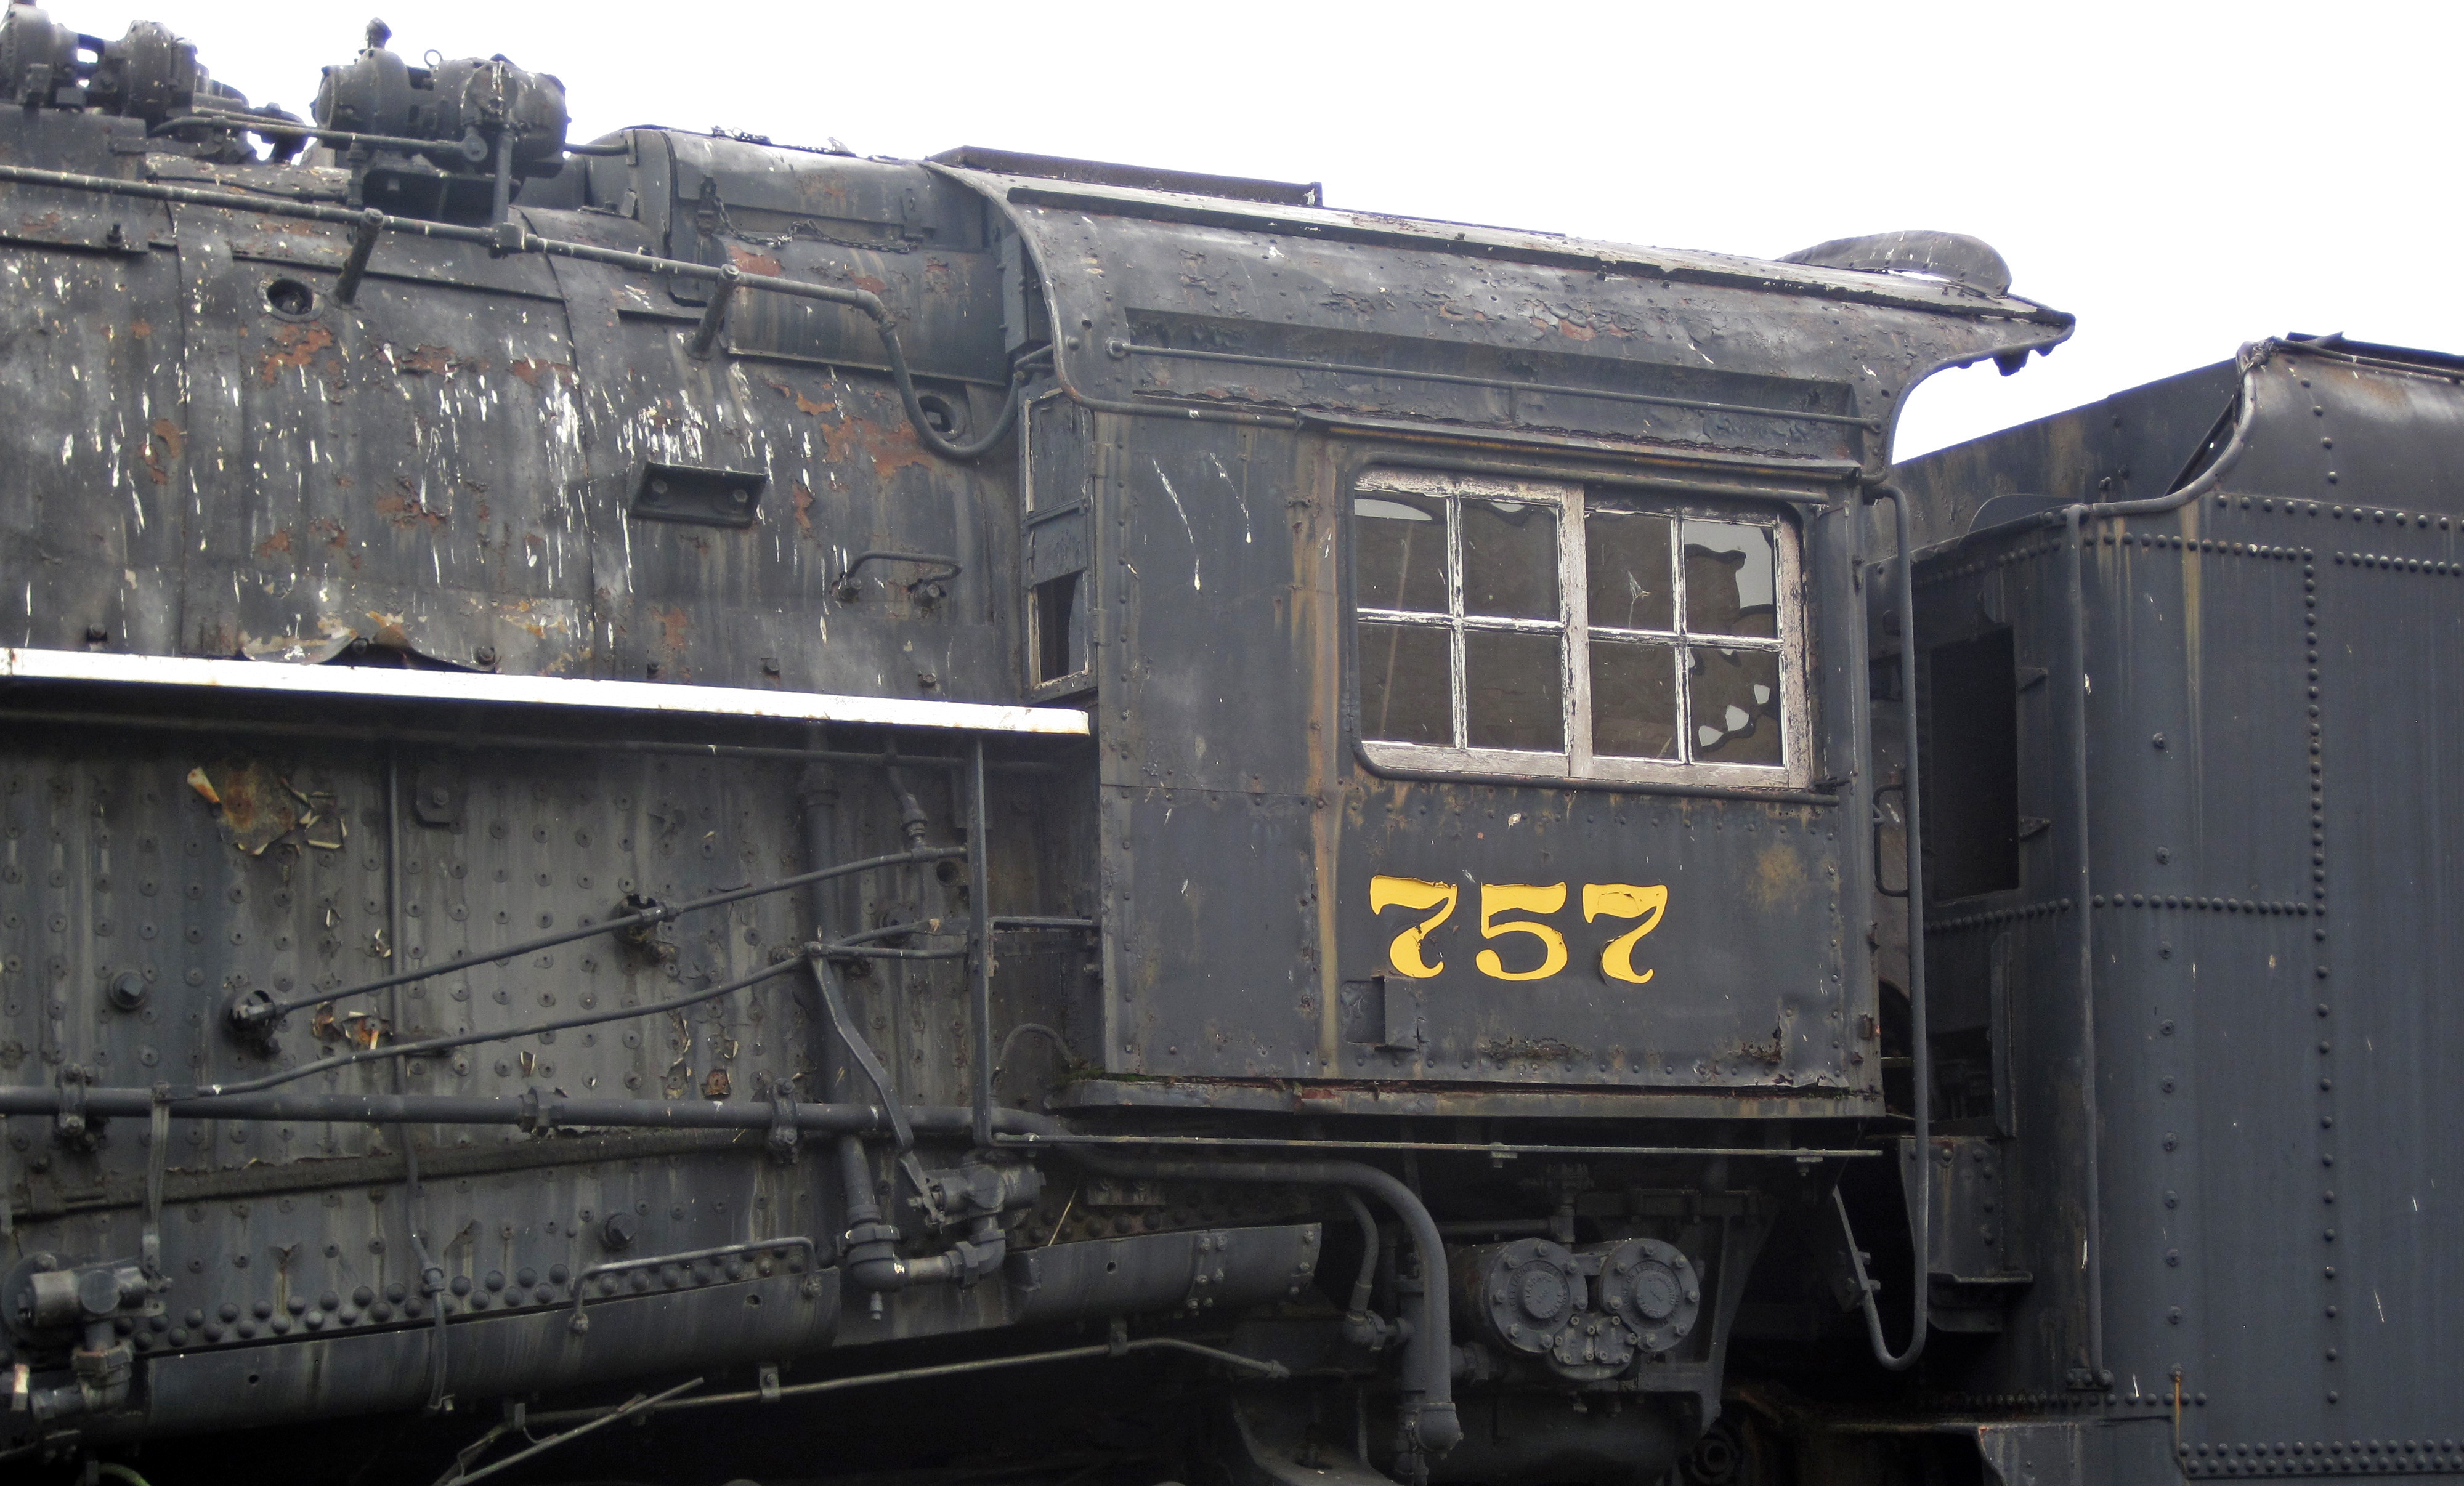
(678, 808)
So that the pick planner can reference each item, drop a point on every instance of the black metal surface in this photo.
(2266, 859)
(2161, 1111)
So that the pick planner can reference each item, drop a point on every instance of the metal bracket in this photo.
(71, 1128)
(783, 1134)
(698, 495)
(538, 1117)
(157, 1150)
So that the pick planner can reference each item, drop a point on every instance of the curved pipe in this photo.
(1430, 1423)
(2253, 356)
(1920, 1050)
(1368, 1277)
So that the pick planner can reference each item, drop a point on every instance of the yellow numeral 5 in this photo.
(1410, 892)
(1616, 900)
(1509, 897)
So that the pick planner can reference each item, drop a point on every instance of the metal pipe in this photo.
(473, 1039)
(532, 1111)
(1265, 1368)
(355, 264)
(1429, 1421)
(714, 314)
(638, 1404)
(648, 916)
(1490, 1148)
(1367, 1280)
(1921, 1047)
(2253, 356)
(979, 893)
(2086, 945)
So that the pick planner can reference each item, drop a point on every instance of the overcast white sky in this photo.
(2182, 176)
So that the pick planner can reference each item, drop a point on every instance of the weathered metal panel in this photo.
(1241, 304)
(2270, 712)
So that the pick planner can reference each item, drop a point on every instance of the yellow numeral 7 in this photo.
(1411, 893)
(1617, 900)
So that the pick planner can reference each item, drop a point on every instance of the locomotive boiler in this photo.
(677, 808)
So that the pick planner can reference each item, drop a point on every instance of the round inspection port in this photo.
(290, 298)
(941, 414)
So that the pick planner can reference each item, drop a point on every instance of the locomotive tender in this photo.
(652, 781)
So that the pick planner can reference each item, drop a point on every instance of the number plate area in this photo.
(1580, 938)
(1460, 934)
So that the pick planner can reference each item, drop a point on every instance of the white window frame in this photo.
(1573, 503)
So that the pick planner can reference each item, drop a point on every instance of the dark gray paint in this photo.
(2273, 1052)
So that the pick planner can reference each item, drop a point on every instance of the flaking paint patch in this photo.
(674, 625)
(891, 449)
(294, 346)
(166, 441)
(804, 405)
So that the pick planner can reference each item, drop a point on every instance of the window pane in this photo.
(1402, 552)
(1634, 699)
(1730, 579)
(1630, 576)
(1513, 689)
(1405, 692)
(1735, 699)
(1510, 558)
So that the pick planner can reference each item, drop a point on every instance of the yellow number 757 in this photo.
(1408, 956)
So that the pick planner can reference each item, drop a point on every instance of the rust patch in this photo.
(804, 405)
(938, 277)
(870, 284)
(803, 495)
(408, 511)
(890, 448)
(258, 806)
(420, 361)
(294, 346)
(530, 371)
(1770, 1052)
(165, 441)
(751, 262)
(1546, 1050)
(332, 534)
(141, 329)
(716, 1086)
(278, 542)
(674, 625)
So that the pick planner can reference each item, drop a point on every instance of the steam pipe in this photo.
(1429, 1421)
